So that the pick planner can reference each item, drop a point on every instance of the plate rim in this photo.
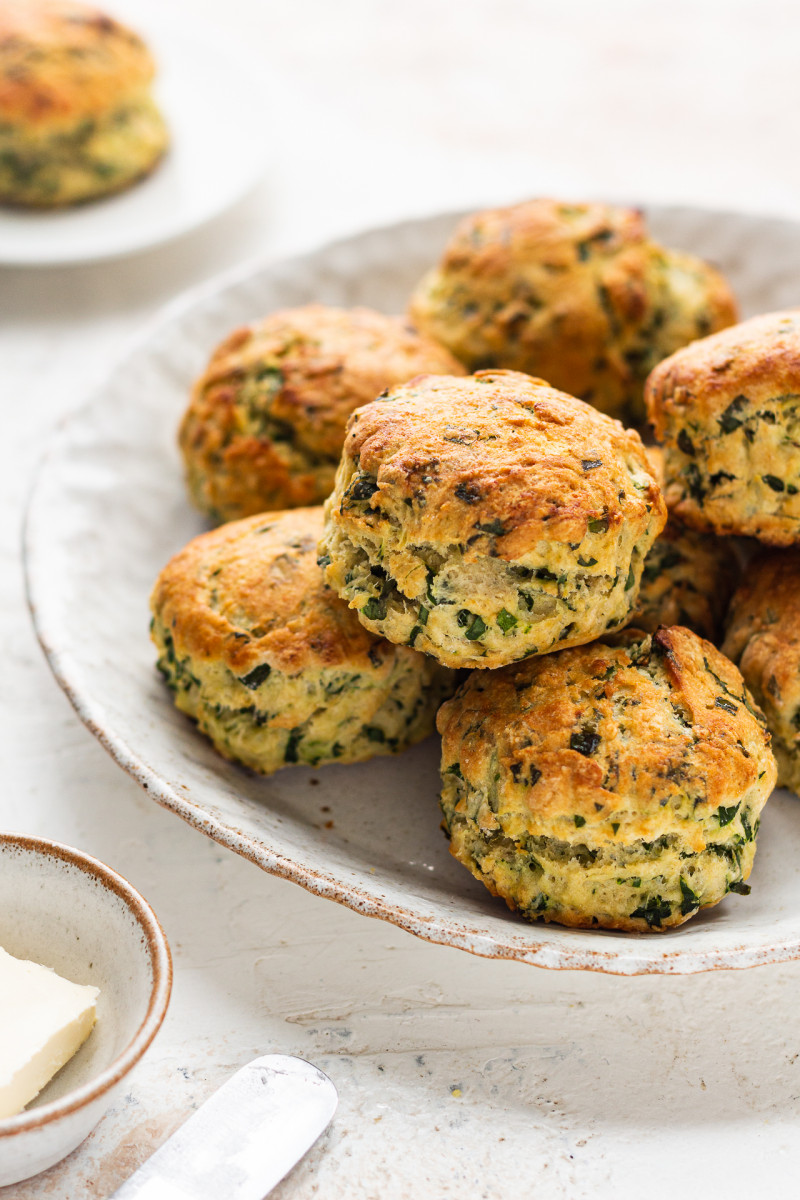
(633, 960)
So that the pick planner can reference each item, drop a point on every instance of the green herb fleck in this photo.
(690, 901)
(468, 492)
(253, 679)
(694, 482)
(506, 620)
(585, 741)
(374, 609)
(653, 911)
(432, 601)
(295, 737)
(496, 527)
(726, 815)
(730, 419)
(476, 629)
(362, 487)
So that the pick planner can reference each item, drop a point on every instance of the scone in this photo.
(577, 294)
(727, 410)
(688, 579)
(763, 639)
(77, 117)
(266, 422)
(618, 784)
(489, 518)
(271, 665)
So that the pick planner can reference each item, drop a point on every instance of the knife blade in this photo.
(243, 1140)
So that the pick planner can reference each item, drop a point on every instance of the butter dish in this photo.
(67, 911)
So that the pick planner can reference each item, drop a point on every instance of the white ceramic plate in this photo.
(217, 107)
(109, 509)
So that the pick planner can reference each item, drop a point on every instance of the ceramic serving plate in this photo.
(107, 511)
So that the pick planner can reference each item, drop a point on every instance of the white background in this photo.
(570, 1085)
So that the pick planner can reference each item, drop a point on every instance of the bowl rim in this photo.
(161, 963)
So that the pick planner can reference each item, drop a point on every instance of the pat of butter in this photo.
(44, 1020)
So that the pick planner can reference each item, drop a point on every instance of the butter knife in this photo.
(242, 1141)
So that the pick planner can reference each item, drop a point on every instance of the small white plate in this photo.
(108, 510)
(216, 102)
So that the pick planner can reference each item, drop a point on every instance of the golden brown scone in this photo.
(763, 639)
(574, 293)
(272, 666)
(619, 784)
(727, 409)
(77, 118)
(266, 422)
(688, 579)
(485, 519)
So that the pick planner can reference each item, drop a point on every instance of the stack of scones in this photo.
(498, 557)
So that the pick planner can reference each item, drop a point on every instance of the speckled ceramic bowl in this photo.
(68, 911)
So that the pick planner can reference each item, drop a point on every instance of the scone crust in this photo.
(763, 639)
(574, 293)
(268, 660)
(488, 518)
(266, 421)
(77, 119)
(727, 410)
(616, 784)
(688, 579)
(61, 61)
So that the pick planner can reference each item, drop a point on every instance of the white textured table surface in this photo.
(457, 1076)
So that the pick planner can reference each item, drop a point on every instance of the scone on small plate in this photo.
(617, 785)
(727, 410)
(486, 519)
(763, 639)
(266, 422)
(577, 294)
(274, 668)
(77, 116)
(688, 579)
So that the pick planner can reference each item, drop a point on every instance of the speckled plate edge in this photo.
(628, 954)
